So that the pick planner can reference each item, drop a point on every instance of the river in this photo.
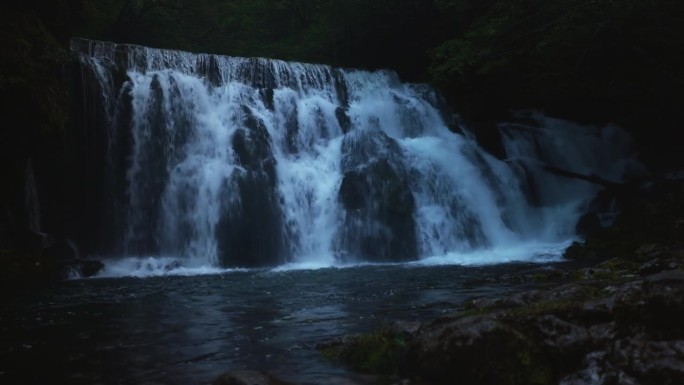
(190, 329)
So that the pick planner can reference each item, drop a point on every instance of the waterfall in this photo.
(536, 142)
(247, 162)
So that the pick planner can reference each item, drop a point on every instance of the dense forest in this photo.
(594, 61)
(618, 61)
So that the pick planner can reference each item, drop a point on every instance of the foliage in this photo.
(541, 43)
(30, 81)
(599, 62)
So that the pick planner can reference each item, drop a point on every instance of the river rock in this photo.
(247, 377)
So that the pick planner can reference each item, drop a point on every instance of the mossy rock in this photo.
(477, 350)
(379, 353)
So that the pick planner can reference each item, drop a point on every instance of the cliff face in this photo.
(39, 150)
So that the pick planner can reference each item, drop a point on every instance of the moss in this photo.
(471, 308)
(614, 270)
(618, 264)
(549, 276)
(374, 353)
(504, 357)
(558, 306)
(531, 371)
(554, 307)
(543, 277)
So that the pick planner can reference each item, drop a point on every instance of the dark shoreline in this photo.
(617, 320)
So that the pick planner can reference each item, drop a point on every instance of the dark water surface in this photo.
(189, 330)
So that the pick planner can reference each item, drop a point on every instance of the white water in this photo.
(469, 206)
(142, 267)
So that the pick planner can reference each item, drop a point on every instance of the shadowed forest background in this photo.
(594, 61)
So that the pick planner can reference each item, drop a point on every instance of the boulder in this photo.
(378, 204)
(249, 230)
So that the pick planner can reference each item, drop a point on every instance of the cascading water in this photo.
(544, 143)
(237, 162)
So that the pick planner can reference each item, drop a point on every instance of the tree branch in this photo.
(592, 178)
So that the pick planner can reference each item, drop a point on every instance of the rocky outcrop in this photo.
(247, 377)
(59, 261)
(650, 216)
(617, 322)
(377, 200)
(249, 231)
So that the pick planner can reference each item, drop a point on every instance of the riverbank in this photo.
(614, 323)
(619, 320)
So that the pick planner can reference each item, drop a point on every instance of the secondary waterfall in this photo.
(245, 162)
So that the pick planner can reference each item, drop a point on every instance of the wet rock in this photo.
(379, 207)
(249, 229)
(20, 269)
(651, 251)
(210, 69)
(267, 97)
(405, 327)
(653, 362)
(247, 377)
(632, 361)
(343, 119)
(559, 335)
(475, 350)
(65, 261)
(597, 331)
(660, 264)
(580, 252)
(61, 249)
(82, 268)
(588, 223)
